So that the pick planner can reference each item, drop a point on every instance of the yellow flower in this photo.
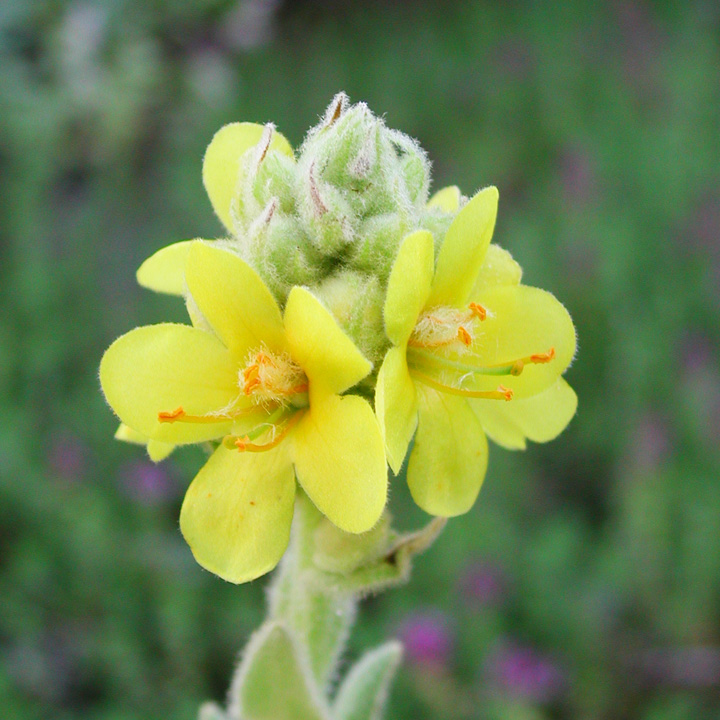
(268, 385)
(459, 328)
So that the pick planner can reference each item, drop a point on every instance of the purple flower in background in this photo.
(427, 639)
(523, 672)
(483, 583)
(147, 483)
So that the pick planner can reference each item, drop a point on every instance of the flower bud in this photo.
(378, 241)
(356, 300)
(282, 253)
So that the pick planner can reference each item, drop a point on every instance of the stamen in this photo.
(537, 359)
(244, 444)
(502, 393)
(543, 357)
(179, 415)
(464, 336)
(272, 378)
(424, 358)
(443, 326)
(171, 416)
(478, 310)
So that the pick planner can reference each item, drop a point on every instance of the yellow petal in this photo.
(396, 406)
(156, 450)
(463, 250)
(221, 166)
(237, 512)
(234, 300)
(449, 459)
(498, 268)
(522, 321)
(318, 345)
(128, 435)
(447, 199)
(340, 461)
(539, 418)
(159, 368)
(164, 271)
(408, 285)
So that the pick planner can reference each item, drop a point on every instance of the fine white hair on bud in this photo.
(335, 109)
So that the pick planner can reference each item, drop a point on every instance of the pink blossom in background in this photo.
(521, 671)
(427, 639)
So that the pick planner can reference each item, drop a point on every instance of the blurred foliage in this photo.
(586, 582)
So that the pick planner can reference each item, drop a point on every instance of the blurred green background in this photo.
(585, 584)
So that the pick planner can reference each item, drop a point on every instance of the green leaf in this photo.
(364, 691)
(274, 680)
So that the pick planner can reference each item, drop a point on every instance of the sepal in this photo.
(363, 693)
(274, 681)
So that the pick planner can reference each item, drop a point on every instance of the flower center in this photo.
(447, 327)
(273, 379)
(277, 388)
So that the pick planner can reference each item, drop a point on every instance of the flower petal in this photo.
(463, 249)
(408, 285)
(498, 268)
(539, 418)
(340, 461)
(317, 343)
(522, 321)
(158, 368)
(237, 512)
(449, 459)
(221, 165)
(447, 199)
(396, 406)
(234, 300)
(155, 449)
(164, 272)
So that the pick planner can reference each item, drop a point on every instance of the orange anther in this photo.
(171, 416)
(251, 377)
(464, 336)
(241, 443)
(507, 393)
(543, 357)
(478, 310)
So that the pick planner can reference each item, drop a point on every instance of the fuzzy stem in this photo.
(319, 614)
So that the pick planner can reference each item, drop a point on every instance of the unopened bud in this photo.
(356, 300)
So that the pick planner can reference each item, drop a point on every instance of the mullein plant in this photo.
(346, 322)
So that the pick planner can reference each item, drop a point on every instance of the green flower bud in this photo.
(275, 178)
(276, 246)
(325, 214)
(356, 300)
(378, 241)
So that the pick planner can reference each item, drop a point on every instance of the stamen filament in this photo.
(245, 444)
(512, 368)
(502, 393)
(179, 415)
